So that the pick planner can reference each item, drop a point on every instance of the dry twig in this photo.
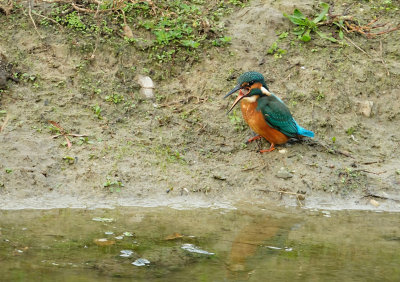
(4, 123)
(47, 18)
(381, 57)
(30, 15)
(64, 133)
(358, 47)
(367, 171)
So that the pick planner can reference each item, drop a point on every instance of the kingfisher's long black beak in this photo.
(238, 98)
(237, 87)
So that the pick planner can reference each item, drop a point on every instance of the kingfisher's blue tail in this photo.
(304, 132)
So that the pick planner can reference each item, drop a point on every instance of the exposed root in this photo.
(349, 25)
(367, 29)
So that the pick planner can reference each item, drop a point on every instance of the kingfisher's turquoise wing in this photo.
(278, 116)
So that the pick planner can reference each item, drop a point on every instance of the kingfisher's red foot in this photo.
(253, 139)
(271, 148)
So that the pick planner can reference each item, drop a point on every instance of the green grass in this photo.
(166, 31)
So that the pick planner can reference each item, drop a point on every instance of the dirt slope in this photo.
(181, 148)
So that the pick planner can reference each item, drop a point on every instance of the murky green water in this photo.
(232, 245)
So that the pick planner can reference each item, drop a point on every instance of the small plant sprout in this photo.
(84, 140)
(113, 185)
(115, 98)
(276, 51)
(306, 26)
(350, 131)
(97, 111)
(223, 41)
(69, 160)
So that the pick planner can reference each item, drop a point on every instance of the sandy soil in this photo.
(181, 148)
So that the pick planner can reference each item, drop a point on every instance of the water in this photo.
(162, 244)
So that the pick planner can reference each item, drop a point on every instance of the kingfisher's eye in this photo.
(251, 82)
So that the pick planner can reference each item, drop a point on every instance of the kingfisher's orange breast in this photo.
(257, 123)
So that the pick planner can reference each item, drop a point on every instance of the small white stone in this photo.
(147, 85)
(147, 92)
(374, 203)
(366, 108)
(145, 81)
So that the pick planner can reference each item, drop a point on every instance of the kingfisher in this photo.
(265, 113)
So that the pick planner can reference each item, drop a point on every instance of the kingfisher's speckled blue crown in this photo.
(252, 76)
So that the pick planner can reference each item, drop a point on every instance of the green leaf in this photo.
(283, 35)
(297, 21)
(325, 9)
(341, 34)
(324, 36)
(297, 18)
(310, 24)
(273, 47)
(190, 43)
(226, 39)
(298, 14)
(299, 31)
(306, 36)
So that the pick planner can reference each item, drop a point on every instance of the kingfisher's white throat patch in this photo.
(251, 99)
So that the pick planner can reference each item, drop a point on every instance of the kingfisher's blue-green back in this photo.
(278, 116)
